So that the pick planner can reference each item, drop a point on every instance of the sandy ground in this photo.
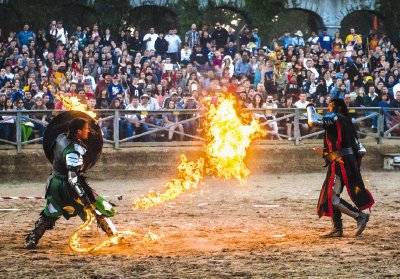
(266, 228)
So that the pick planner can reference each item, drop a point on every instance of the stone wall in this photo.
(144, 162)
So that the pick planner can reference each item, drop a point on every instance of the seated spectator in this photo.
(371, 100)
(41, 123)
(171, 122)
(302, 104)
(7, 123)
(395, 116)
(188, 102)
(114, 88)
(135, 122)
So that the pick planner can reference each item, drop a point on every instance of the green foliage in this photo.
(262, 13)
(390, 11)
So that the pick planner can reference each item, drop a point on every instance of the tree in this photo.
(390, 12)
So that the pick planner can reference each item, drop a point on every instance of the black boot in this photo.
(42, 224)
(108, 228)
(362, 221)
(337, 230)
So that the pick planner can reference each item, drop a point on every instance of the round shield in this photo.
(59, 125)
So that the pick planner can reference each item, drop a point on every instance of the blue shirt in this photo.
(24, 36)
(325, 41)
(113, 90)
(287, 40)
(242, 68)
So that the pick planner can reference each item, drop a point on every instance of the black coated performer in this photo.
(67, 192)
(343, 153)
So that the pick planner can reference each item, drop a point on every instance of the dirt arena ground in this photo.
(266, 228)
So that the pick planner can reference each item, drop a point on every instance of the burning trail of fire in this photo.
(76, 245)
(227, 140)
(73, 103)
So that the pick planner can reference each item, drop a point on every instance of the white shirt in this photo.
(61, 35)
(185, 55)
(396, 88)
(301, 105)
(152, 104)
(150, 44)
(173, 43)
(134, 117)
(92, 81)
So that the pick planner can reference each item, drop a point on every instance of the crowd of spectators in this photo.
(160, 69)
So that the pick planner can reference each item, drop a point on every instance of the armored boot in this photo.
(362, 220)
(337, 230)
(106, 225)
(349, 206)
(42, 224)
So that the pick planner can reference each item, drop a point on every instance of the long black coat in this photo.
(341, 135)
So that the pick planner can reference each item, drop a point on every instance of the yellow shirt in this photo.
(354, 37)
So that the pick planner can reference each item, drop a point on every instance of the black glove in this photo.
(85, 201)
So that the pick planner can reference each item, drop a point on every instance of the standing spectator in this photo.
(298, 40)
(257, 39)
(95, 33)
(24, 36)
(313, 39)
(205, 39)
(325, 40)
(150, 39)
(81, 37)
(107, 38)
(220, 36)
(161, 45)
(192, 37)
(174, 45)
(353, 37)
(135, 43)
(61, 34)
(286, 40)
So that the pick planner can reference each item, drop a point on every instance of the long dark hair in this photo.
(5, 103)
(75, 125)
(339, 106)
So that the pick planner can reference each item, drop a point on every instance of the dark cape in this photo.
(338, 136)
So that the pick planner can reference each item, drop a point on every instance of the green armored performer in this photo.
(67, 192)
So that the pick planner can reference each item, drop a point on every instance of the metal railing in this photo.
(117, 121)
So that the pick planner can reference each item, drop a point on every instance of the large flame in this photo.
(73, 103)
(227, 140)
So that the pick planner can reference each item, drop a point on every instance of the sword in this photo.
(332, 157)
